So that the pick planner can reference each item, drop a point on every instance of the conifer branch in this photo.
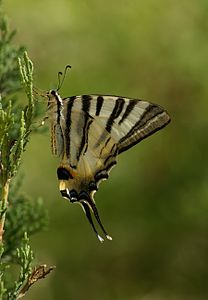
(4, 203)
(19, 216)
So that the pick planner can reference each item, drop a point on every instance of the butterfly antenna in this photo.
(89, 217)
(61, 77)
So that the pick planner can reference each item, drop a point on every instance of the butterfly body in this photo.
(88, 132)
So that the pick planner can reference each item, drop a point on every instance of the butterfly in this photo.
(88, 133)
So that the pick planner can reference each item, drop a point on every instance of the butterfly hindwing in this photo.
(90, 131)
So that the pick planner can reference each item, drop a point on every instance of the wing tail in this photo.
(89, 205)
(86, 209)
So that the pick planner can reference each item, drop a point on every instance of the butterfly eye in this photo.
(53, 93)
(63, 174)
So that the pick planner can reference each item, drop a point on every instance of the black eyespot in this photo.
(53, 92)
(92, 186)
(101, 175)
(83, 195)
(63, 174)
(65, 194)
(73, 195)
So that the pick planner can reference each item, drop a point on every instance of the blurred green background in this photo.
(155, 204)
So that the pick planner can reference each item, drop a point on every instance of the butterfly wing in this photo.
(93, 131)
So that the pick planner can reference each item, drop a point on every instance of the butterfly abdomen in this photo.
(55, 114)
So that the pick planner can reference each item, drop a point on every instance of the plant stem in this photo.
(4, 202)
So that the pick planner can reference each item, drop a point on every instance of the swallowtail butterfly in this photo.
(88, 133)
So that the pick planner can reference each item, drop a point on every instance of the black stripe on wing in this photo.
(101, 175)
(104, 173)
(153, 119)
(151, 111)
(68, 123)
(86, 101)
(99, 105)
(129, 108)
(117, 110)
(119, 104)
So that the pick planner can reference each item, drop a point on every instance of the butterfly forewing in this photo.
(88, 132)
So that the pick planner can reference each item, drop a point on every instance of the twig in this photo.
(4, 202)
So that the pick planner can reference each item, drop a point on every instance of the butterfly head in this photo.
(54, 98)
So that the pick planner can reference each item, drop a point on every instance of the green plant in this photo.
(20, 216)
